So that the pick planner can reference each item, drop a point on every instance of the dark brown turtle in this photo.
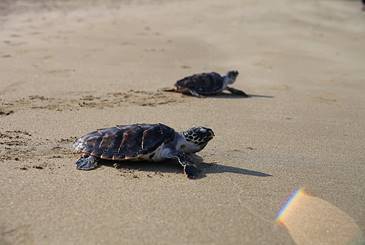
(142, 142)
(205, 84)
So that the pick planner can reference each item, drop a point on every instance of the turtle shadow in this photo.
(215, 168)
(221, 95)
(175, 167)
(145, 166)
(224, 95)
(260, 96)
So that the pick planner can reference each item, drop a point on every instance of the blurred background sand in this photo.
(69, 67)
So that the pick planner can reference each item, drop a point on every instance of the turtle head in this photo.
(196, 139)
(231, 76)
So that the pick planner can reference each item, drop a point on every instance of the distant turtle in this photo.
(205, 84)
(142, 142)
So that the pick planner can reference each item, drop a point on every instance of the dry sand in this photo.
(69, 67)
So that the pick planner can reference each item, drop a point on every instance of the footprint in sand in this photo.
(18, 235)
(15, 144)
(20, 145)
(5, 112)
(131, 97)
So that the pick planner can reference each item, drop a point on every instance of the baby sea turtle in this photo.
(142, 142)
(205, 84)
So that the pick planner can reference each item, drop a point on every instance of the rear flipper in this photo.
(237, 92)
(193, 93)
(86, 163)
(169, 90)
(183, 91)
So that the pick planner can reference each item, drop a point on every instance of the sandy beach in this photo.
(70, 67)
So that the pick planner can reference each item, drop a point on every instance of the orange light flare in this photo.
(312, 220)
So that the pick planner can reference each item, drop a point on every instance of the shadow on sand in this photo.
(172, 167)
(234, 96)
(222, 95)
(215, 168)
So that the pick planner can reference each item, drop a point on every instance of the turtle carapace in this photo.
(205, 84)
(142, 142)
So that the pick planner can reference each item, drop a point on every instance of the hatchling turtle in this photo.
(142, 142)
(205, 84)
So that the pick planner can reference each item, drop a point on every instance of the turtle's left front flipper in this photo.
(190, 168)
(237, 92)
(86, 163)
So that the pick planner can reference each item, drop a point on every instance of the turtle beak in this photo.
(211, 134)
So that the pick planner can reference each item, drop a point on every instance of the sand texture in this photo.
(70, 67)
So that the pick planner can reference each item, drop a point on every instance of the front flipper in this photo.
(237, 92)
(86, 163)
(192, 172)
(189, 167)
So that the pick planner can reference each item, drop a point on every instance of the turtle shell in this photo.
(203, 83)
(124, 141)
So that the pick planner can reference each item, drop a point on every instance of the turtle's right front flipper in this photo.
(190, 168)
(86, 163)
(191, 171)
(237, 92)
